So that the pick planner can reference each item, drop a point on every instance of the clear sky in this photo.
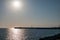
(33, 12)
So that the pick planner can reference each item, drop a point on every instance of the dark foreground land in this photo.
(55, 37)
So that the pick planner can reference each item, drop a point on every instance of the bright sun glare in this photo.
(17, 4)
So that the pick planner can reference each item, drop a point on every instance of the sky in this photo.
(31, 13)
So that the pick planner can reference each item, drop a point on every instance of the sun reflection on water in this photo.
(16, 34)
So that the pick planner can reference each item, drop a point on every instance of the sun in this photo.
(17, 4)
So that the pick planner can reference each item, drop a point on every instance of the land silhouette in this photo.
(54, 37)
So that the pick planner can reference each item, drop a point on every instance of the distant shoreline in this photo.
(36, 28)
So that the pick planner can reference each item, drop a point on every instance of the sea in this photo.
(26, 34)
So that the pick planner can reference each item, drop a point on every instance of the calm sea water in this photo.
(26, 34)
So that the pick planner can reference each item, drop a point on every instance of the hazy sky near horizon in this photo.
(33, 12)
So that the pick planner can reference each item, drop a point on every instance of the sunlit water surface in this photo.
(26, 34)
